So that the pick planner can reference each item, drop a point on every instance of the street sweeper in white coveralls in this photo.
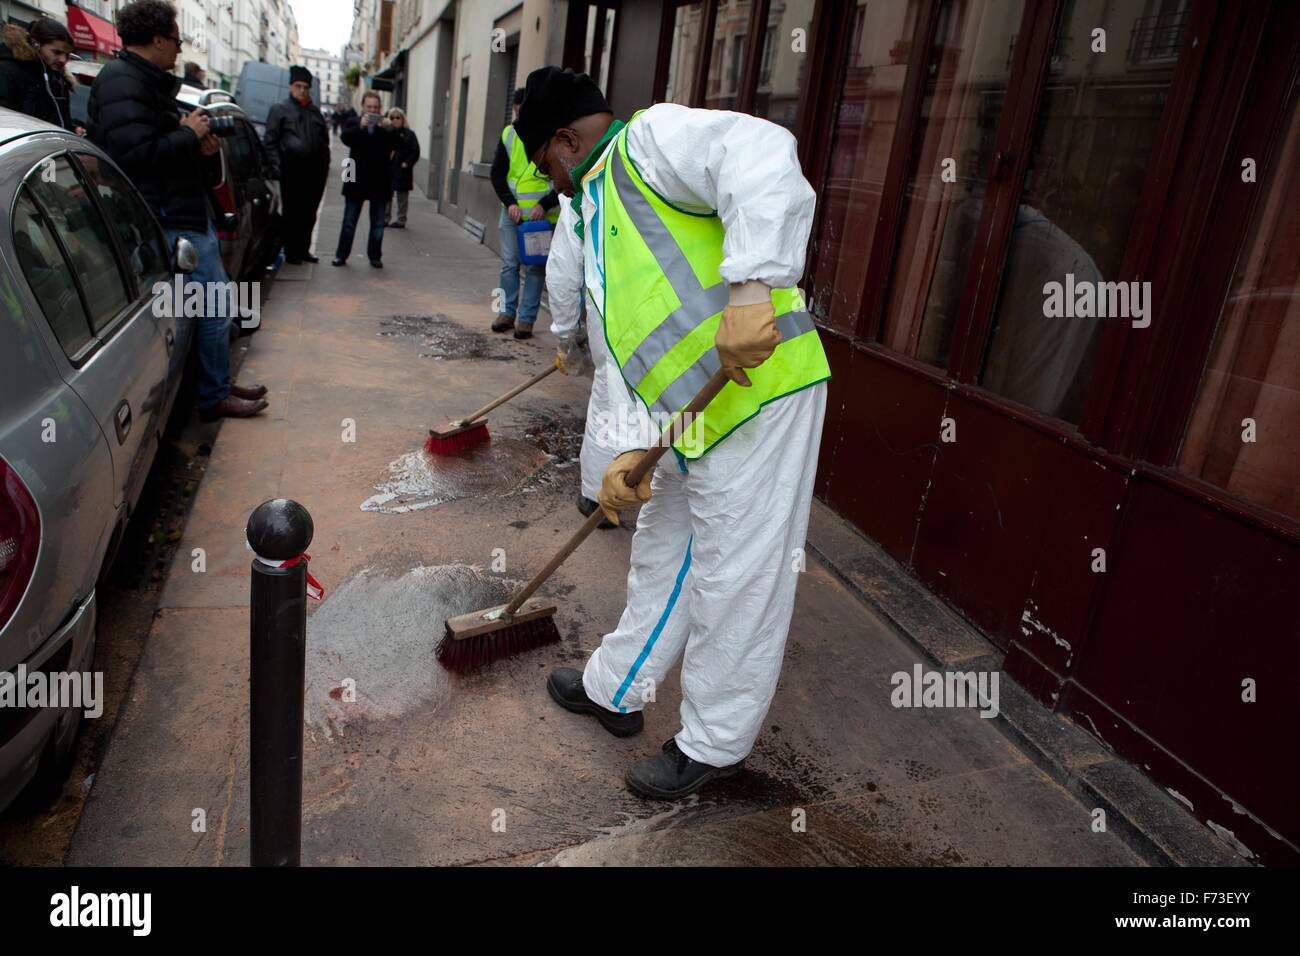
(691, 226)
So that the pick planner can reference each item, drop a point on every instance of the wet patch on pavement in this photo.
(419, 480)
(371, 643)
(440, 338)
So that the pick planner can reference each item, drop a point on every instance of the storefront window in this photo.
(967, 71)
(1092, 140)
(1244, 433)
(783, 64)
(688, 21)
(860, 145)
(726, 65)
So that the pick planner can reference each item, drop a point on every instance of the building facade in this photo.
(328, 68)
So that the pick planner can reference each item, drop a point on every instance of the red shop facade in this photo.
(1113, 500)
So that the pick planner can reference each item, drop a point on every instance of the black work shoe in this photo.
(565, 686)
(504, 324)
(671, 774)
(376, 264)
(586, 506)
(396, 225)
(339, 262)
(292, 261)
(524, 332)
(308, 257)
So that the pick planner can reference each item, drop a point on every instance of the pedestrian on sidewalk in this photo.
(298, 136)
(524, 194)
(33, 76)
(693, 219)
(367, 178)
(133, 117)
(404, 159)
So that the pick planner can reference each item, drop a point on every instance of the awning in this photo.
(384, 79)
(90, 32)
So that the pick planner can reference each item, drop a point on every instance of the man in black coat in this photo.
(296, 132)
(367, 176)
(134, 118)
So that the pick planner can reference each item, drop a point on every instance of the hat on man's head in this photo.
(297, 73)
(553, 98)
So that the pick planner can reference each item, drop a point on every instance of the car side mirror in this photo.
(186, 256)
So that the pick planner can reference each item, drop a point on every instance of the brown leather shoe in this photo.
(231, 407)
(251, 394)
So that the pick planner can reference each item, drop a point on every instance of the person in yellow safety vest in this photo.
(693, 226)
(525, 195)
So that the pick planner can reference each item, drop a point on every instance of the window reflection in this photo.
(726, 64)
(966, 81)
(782, 67)
(1088, 160)
(1253, 375)
(859, 155)
(685, 52)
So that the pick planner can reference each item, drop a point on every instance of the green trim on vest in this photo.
(529, 186)
(664, 298)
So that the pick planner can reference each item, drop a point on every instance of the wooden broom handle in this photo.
(506, 397)
(647, 463)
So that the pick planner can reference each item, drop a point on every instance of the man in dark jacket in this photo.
(367, 176)
(32, 77)
(404, 159)
(296, 132)
(133, 117)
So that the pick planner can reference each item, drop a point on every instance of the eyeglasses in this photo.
(177, 40)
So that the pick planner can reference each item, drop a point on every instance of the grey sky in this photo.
(323, 24)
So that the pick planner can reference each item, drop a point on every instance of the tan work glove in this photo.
(747, 335)
(615, 492)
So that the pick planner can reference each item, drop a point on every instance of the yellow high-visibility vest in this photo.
(663, 299)
(528, 185)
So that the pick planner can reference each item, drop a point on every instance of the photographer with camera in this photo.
(171, 160)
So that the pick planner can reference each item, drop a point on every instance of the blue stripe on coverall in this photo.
(654, 635)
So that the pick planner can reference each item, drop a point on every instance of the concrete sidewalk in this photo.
(425, 768)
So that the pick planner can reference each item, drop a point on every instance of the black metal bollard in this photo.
(278, 530)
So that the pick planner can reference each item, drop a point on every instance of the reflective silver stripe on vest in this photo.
(697, 303)
(510, 140)
(687, 385)
(538, 195)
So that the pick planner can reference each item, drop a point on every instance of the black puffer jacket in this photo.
(133, 118)
(404, 159)
(28, 85)
(372, 154)
(299, 138)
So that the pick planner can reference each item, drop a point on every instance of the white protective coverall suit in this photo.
(717, 550)
(564, 290)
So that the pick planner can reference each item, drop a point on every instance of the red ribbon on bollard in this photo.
(315, 590)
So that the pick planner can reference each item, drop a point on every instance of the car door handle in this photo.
(122, 420)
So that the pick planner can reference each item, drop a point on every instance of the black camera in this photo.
(222, 125)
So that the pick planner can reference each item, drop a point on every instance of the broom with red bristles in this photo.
(481, 637)
(472, 430)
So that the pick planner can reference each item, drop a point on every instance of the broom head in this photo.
(455, 437)
(481, 637)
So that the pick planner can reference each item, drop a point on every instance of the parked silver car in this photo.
(88, 375)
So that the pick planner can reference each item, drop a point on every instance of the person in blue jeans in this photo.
(133, 117)
(367, 177)
(212, 335)
(525, 195)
